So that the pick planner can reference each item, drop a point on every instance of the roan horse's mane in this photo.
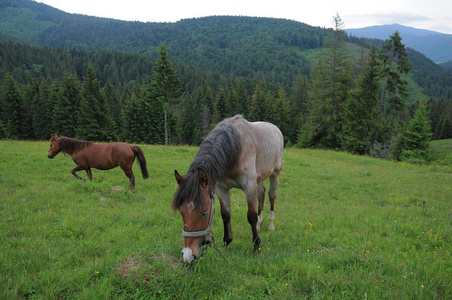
(217, 154)
(69, 145)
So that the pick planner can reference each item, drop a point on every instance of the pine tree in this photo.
(395, 68)
(298, 107)
(114, 104)
(94, 120)
(133, 114)
(66, 109)
(154, 119)
(277, 109)
(243, 98)
(166, 86)
(190, 121)
(415, 141)
(14, 112)
(361, 110)
(330, 85)
(219, 109)
(258, 103)
(205, 102)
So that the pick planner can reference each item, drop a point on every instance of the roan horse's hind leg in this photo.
(274, 182)
(251, 192)
(260, 210)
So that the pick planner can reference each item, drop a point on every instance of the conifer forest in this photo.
(321, 87)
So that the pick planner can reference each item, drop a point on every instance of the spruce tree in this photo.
(14, 113)
(258, 103)
(395, 68)
(219, 109)
(94, 120)
(415, 141)
(331, 82)
(166, 86)
(298, 107)
(133, 114)
(66, 109)
(361, 110)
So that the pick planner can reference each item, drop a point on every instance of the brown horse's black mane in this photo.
(69, 145)
(217, 154)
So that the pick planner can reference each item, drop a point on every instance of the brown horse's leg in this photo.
(90, 175)
(251, 197)
(76, 169)
(129, 174)
(260, 210)
(225, 203)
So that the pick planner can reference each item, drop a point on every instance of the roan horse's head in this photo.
(197, 211)
(54, 147)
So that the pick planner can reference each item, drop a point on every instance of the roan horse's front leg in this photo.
(251, 198)
(224, 197)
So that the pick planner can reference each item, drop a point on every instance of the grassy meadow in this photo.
(347, 227)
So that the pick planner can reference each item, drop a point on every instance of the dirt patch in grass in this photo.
(139, 267)
(116, 188)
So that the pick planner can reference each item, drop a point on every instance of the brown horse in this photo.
(87, 155)
(236, 154)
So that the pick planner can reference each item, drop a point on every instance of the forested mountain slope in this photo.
(435, 45)
(274, 50)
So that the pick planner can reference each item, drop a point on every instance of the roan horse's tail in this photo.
(142, 160)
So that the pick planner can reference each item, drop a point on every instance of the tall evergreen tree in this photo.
(38, 91)
(220, 111)
(114, 104)
(14, 113)
(190, 121)
(331, 82)
(258, 103)
(133, 114)
(94, 120)
(361, 111)
(415, 141)
(166, 86)
(204, 101)
(66, 109)
(298, 107)
(395, 68)
(243, 98)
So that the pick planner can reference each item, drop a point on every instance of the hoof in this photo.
(271, 227)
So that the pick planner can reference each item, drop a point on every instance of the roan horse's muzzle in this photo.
(205, 234)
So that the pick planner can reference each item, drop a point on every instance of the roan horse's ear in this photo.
(179, 177)
(203, 178)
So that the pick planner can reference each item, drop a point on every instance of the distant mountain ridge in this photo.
(274, 50)
(435, 45)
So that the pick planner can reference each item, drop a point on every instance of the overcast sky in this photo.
(433, 15)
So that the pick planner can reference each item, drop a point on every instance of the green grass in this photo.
(387, 229)
(441, 152)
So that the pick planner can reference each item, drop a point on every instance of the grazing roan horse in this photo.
(87, 155)
(236, 154)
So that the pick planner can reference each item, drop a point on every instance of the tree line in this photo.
(362, 110)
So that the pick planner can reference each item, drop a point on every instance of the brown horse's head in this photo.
(194, 200)
(54, 147)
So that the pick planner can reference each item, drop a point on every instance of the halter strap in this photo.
(197, 233)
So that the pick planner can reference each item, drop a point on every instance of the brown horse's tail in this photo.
(142, 160)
